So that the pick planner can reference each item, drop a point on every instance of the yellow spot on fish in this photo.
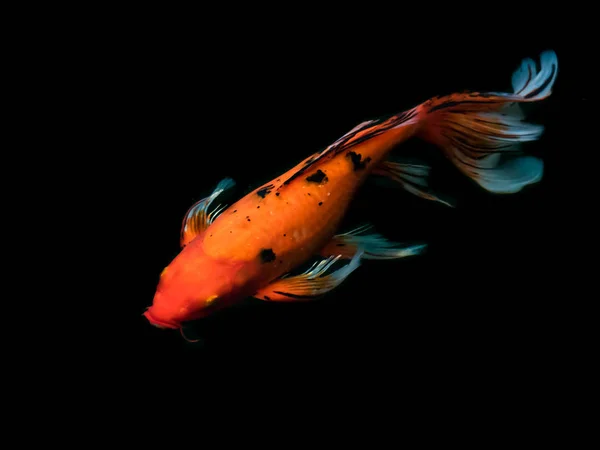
(211, 299)
(164, 271)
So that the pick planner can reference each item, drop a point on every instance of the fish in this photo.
(256, 246)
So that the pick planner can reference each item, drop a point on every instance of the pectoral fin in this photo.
(375, 246)
(311, 284)
(200, 215)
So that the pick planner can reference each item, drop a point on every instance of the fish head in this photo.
(193, 286)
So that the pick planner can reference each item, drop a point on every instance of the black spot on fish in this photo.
(258, 207)
(308, 193)
(235, 210)
(284, 234)
(262, 192)
(369, 130)
(341, 245)
(320, 203)
(357, 161)
(300, 171)
(277, 194)
(267, 297)
(267, 255)
(317, 177)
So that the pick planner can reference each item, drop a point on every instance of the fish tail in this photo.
(482, 132)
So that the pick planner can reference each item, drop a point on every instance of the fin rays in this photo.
(481, 133)
(311, 284)
(199, 216)
(373, 245)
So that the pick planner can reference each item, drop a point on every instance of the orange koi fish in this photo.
(251, 248)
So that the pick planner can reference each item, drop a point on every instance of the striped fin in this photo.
(482, 133)
(374, 245)
(311, 284)
(412, 177)
(527, 82)
(200, 216)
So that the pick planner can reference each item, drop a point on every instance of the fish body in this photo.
(265, 234)
(296, 219)
(251, 247)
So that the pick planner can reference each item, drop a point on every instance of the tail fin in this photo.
(481, 132)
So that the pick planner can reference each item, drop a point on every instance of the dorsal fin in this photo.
(198, 217)
(360, 133)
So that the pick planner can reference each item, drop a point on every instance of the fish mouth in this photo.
(159, 323)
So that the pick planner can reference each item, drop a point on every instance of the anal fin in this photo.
(311, 284)
(374, 245)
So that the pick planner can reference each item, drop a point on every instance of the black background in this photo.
(189, 108)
